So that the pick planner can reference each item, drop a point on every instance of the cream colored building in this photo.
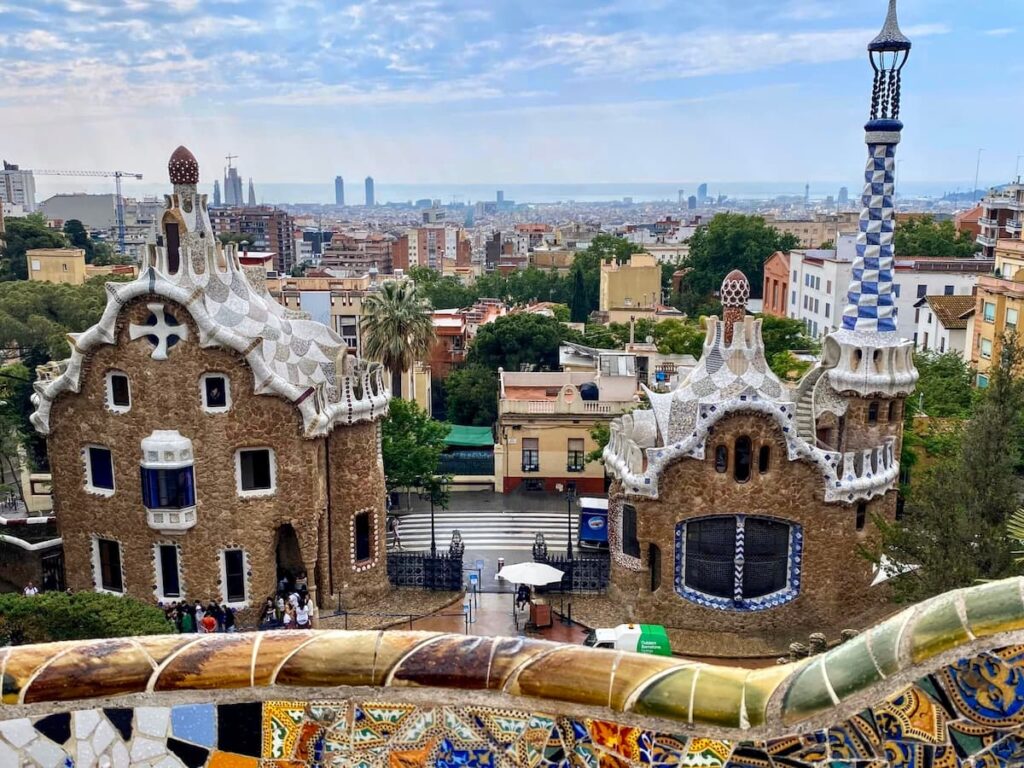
(999, 309)
(630, 290)
(545, 420)
(815, 232)
(56, 265)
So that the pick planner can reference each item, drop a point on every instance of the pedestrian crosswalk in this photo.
(513, 531)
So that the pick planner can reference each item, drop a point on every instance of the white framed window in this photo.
(986, 348)
(1011, 318)
(107, 565)
(99, 469)
(119, 392)
(234, 576)
(256, 471)
(989, 312)
(215, 391)
(167, 567)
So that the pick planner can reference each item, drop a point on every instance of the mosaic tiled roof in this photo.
(945, 678)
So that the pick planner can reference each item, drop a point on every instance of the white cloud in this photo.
(41, 40)
(319, 95)
(1000, 32)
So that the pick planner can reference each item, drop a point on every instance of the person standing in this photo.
(228, 621)
(393, 530)
(31, 590)
(302, 614)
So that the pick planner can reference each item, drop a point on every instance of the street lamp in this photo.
(570, 497)
(430, 485)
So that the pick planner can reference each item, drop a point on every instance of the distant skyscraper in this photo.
(702, 193)
(682, 196)
(691, 203)
(501, 196)
(18, 187)
(844, 196)
(232, 184)
(339, 190)
(216, 192)
(370, 200)
(252, 193)
(807, 194)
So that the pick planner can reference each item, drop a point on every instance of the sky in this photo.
(505, 91)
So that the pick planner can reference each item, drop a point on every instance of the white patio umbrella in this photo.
(531, 574)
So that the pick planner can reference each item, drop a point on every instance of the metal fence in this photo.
(586, 572)
(425, 571)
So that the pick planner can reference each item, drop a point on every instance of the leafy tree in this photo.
(227, 238)
(56, 616)
(601, 249)
(580, 306)
(600, 433)
(75, 232)
(411, 444)
(730, 241)
(785, 334)
(945, 387)
(472, 396)
(923, 236)
(678, 337)
(22, 235)
(443, 292)
(519, 340)
(957, 512)
(397, 326)
(561, 312)
(104, 255)
(786, 365)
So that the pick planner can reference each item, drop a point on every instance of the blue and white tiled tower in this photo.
(866, 355)
(870, 301)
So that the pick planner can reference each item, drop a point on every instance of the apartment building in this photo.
(775, 291)
(455, 329)
(630, 290)
(433, 246)
(67, 265)
(545, 420)
(999, 307)
(814, 231)
(267, 229)
(1002, 215)
(359, 252)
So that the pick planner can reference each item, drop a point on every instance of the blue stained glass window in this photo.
(168, 488)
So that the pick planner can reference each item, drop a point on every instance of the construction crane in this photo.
(117, 175)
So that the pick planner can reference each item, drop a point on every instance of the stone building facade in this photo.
(205, 441)
(739, 504)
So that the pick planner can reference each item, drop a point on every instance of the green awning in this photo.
(472, 437)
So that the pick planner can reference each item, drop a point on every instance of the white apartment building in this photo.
(18, 187)
(432, 245)
(942, 323)
(820, 280)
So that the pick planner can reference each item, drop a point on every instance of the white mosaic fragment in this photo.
(153, 721)
(7, 755)
(46, 753)
(170, 761)
(18, 732)
(84, 755)
(102, 736)
(144, 749)
(85, 721)
(120, 756)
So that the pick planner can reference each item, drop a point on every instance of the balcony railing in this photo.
(585, 407)
(988, 222)
(1014, 226)
(988, 242)
(171, 520)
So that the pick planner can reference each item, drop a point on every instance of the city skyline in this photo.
(716, 91)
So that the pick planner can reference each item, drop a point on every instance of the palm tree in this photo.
(398, 328)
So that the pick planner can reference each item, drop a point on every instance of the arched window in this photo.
(738, 562)
(862, 515)
(764, 459)
(741, 465)
(721, 459)
(873, 412)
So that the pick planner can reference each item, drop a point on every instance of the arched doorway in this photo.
(288, 555)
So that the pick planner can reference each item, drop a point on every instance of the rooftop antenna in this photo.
(1016, 173)
(977, 170)
(229, 158)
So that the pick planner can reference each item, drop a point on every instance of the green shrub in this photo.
(53, 616)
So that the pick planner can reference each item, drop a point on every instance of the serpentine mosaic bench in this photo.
(941, 684)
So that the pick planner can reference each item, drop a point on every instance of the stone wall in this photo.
(834, 578)
(356, 485)
(860, 432)
(166, 395)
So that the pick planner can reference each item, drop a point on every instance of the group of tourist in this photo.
(290, 608)
(188, 618)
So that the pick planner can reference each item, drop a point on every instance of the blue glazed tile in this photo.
(194, 723)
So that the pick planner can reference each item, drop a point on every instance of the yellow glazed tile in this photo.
(718, 696)
(510, 654)
(216, 661)
(633, 672)
(101, 668)
(333, 658)
(669, 696)
(936, 630)
(807, 694)
(759, 687)
(995, 607)
(571, 673)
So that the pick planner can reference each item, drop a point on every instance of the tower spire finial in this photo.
(870, 300)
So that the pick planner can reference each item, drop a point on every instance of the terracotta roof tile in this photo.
(950, 310)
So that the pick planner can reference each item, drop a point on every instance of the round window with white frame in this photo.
(168, 481)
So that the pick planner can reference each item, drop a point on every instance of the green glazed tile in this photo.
(884, 642)
(936, 630)
(758, 689)
(807, 694)
(668, 697)
(995, 607)
(850, 667)
(718, 697)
